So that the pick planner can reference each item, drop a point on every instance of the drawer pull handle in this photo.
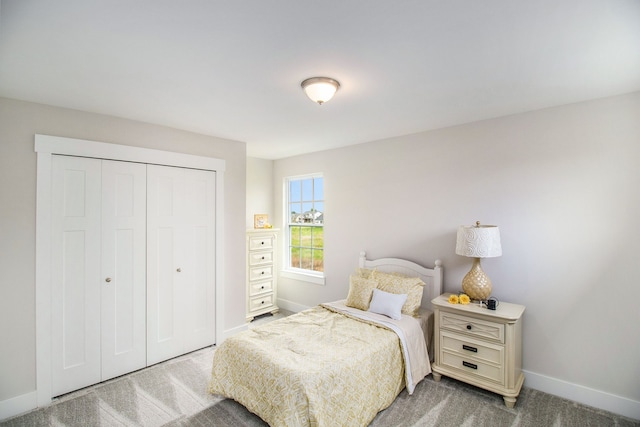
(261, 287)
(469, 327)
(470, 365)
(262, 257)
(262, 272)
(262, 243)
(262, 302)
(469, 348)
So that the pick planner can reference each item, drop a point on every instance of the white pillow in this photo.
(388, 304)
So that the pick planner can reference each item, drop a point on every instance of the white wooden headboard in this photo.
(432, 277)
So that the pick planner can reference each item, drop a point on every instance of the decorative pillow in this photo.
(364, 272)
(396, 283)
(388, 304)
(360, 291)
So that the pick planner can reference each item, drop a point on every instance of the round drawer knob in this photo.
(261, 287)
(262, 302)
(108, 280)
(469, 327)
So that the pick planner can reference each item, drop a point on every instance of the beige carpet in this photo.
(174, 393)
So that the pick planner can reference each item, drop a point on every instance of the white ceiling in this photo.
(233, 69)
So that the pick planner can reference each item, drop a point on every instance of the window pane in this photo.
(294, 191)
(318, 189)
(295, 257)
(306, 212)
(318, 260)
(305, 259)
(319, 212)
(295, 236)
(307, 190)
(296, 212)
(305, 237)
(318, 237)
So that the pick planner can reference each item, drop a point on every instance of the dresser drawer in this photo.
(470, 348)
(260, 273)
(472, 326)
(258, 258)
(260, 287)
(472, 366)
(261, 242)
(260, 302)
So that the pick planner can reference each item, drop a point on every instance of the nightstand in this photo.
(479, 346)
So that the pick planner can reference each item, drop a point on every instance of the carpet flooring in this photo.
(174, 394)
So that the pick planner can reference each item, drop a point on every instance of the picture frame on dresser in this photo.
(260, 221)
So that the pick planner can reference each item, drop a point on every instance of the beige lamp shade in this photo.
(478, 241)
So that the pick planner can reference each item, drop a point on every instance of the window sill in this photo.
(303, 277)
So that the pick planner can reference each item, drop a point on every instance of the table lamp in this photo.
(478, 241)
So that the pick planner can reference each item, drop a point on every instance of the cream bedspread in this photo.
(314, 368)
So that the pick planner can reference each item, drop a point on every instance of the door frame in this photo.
(46, 146)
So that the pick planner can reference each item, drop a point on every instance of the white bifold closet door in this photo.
(180, 261)
(98, 270)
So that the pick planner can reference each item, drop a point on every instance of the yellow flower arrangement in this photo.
(459, 299)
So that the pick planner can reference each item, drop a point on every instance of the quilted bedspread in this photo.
(314, 368)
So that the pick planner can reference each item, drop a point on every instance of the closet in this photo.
(126, 275)
(98, 270)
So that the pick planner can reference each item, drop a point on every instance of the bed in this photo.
(338, 363)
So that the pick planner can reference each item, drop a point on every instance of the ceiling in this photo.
(232, 69)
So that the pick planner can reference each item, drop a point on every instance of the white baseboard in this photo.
(585, 395)
(18, 405)
(291, 306)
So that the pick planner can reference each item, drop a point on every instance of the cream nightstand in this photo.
(479, 346)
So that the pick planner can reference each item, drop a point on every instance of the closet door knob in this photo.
(108, 280)
(179, 270)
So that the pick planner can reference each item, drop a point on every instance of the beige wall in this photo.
(259, 189)
(19, 122)
(562, 184)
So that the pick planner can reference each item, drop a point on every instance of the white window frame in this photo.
(315, 277)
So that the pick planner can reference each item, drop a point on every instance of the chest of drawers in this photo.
(479, 346)
(261, 272)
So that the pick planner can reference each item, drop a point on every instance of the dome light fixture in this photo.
(320, 89)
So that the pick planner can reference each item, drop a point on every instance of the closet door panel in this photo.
(75, 303)
(164, 337)
(123, 268)
(181, 260)
(200, 228)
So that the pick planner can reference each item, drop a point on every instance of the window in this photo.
(305, 225)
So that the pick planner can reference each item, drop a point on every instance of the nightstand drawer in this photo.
(474, 367)
(470, 348)
(472, 326)
(260, 242)
(259, 273)
(260, 287)
(257, 258)
(261, 302)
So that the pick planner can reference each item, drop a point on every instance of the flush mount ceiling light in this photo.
(320, 89)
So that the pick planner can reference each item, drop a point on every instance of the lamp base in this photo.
(476, 283)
